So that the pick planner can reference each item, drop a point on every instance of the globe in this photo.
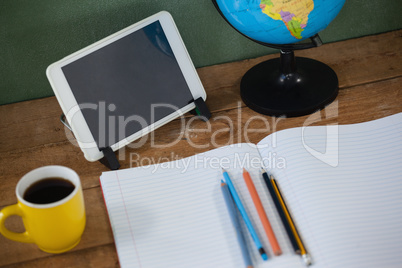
(279, 21)
(286, 86)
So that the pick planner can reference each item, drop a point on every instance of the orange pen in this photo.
(261, 213)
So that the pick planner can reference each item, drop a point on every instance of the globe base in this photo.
(289, 86)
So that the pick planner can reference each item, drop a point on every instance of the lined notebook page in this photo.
(174, 214)
(346, 199)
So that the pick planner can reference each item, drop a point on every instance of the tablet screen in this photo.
(128, 84)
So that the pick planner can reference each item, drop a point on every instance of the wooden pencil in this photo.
(261, 213)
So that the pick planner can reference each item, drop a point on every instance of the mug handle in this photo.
(4, 214)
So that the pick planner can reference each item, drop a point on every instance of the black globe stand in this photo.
(289, 86)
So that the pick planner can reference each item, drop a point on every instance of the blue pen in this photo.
(245, 216)
(235, 220)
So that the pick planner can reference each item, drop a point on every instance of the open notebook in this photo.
(342, 185)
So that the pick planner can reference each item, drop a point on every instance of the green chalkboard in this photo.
(34, 34)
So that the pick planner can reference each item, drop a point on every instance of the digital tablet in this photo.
(126, 85)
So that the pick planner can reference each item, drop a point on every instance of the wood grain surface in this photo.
(370, 76)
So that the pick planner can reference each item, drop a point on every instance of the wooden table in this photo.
(370, 76)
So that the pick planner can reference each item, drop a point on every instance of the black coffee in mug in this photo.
(48, 190)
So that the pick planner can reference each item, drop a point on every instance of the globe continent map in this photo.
(279, 21)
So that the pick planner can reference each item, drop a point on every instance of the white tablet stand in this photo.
(110, 160)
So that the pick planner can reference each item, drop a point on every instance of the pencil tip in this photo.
(307, 259)
(263, 254)
(244, 170)
(223, 170)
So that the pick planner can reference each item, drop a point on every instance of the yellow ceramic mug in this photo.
(55, 227)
